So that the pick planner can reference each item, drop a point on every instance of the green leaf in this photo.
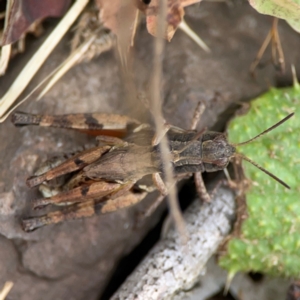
(283, 9)
(270, 239)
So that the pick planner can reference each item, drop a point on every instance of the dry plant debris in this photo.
(277, 52)
(39, 58)
(24, 14)
(114, 14)
(174, 16)
(91, 39)
(6, 289)
(24, 18)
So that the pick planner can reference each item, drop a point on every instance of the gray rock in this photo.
(75, 260)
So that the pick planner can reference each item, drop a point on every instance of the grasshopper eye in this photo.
(217, 165)
(222, 163)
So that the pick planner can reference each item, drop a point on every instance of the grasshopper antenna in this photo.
(266, 131)
(254, 163)
(262, 169)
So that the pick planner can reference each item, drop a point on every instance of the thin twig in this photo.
(278, 46)
(260, 53)
(274, 38)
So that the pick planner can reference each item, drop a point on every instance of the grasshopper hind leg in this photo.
(85, 209)
(75, 211)
(56, 185)
(89, 123)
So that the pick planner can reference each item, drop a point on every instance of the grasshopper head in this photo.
(216, 153)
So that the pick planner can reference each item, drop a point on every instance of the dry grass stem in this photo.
(4, 58)
(5, 50)
(63, 68)
(6, 289)
(187, 30)
(8, 112)
(40, 56)
(97, 43)
(135, 25)
(159, 122)
(295, 78)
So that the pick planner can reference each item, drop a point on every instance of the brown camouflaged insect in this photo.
(108, 177)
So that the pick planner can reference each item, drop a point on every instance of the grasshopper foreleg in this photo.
(200, 187)
(159, 183)
(197, 115)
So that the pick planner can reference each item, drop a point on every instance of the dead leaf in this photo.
(119, 16)
(288, 10)
(185, 3)
(175, 13)
(26, 12)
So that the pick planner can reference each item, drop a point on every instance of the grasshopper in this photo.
(108, 177)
